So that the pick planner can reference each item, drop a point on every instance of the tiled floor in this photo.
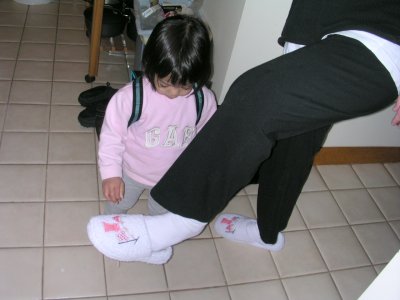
(345, 228)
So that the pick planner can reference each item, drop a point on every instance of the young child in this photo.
(176, 62)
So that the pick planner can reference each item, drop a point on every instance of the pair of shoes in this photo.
(95, 101)
(125, 238)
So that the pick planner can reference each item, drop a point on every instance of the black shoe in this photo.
(97, 94)
(87, 117)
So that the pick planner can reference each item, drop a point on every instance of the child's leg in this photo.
(155, 208)
(133, 190)
(141, 238)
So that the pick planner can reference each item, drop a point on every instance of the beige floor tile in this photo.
(12, 6)
(91, 298)
(358, 206)
(21, 273)
(394, 170)
(73, 272)
(296, 221)
(12, 34)
(115, 74)
(30, 92)
(378, 240)
(50, 8)
(71, 183)
(251, 189)
(374, 175)
(7, 69)
(243, 263)
(379, 268)
(300, 255)
(72, 37)
(188, 268)
(114, 57)
(39, 35)
(65, 119)
(314, 182)
(388, 200)
(3, 108)
(209, 294)
(21, 224)
(67, 93)
(258, 290)
(25, 148)
(75, 53)
(65, 223)
(340, 248)
(71, 22)
(339, 177)
(319, 209)
(206, 234)
(253, 202)
(353, 282)
(72, 148)
(27, 118)
(5, 87)
(72, 10)
(41, 20)
(33, 178)
(396, 227)
(12, 19)
(71, 71)
(134, 278)
(36, 51)
(156, 296)
(312, 287)
(33, 70)
(9, 50)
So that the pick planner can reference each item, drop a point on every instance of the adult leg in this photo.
(281, 180)
(311, 88)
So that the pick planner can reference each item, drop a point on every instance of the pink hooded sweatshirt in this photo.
(146, 149)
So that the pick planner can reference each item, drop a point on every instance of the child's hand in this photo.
(113, 189)
(396, 108)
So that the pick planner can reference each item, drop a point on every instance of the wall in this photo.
(224, 17)
(245, 34)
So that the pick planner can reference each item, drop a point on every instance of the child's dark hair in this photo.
(179, 46)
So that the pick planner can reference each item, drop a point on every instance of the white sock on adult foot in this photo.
(170, 229)
(244, 230)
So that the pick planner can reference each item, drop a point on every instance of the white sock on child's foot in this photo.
(244, 230)
(125, 238)
(141, 238)
(170, 229)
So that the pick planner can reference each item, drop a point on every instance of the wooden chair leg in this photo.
(95, 39)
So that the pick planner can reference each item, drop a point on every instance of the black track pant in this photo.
(273, 120)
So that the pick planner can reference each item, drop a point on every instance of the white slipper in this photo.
(124, 238)
(242, 229)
